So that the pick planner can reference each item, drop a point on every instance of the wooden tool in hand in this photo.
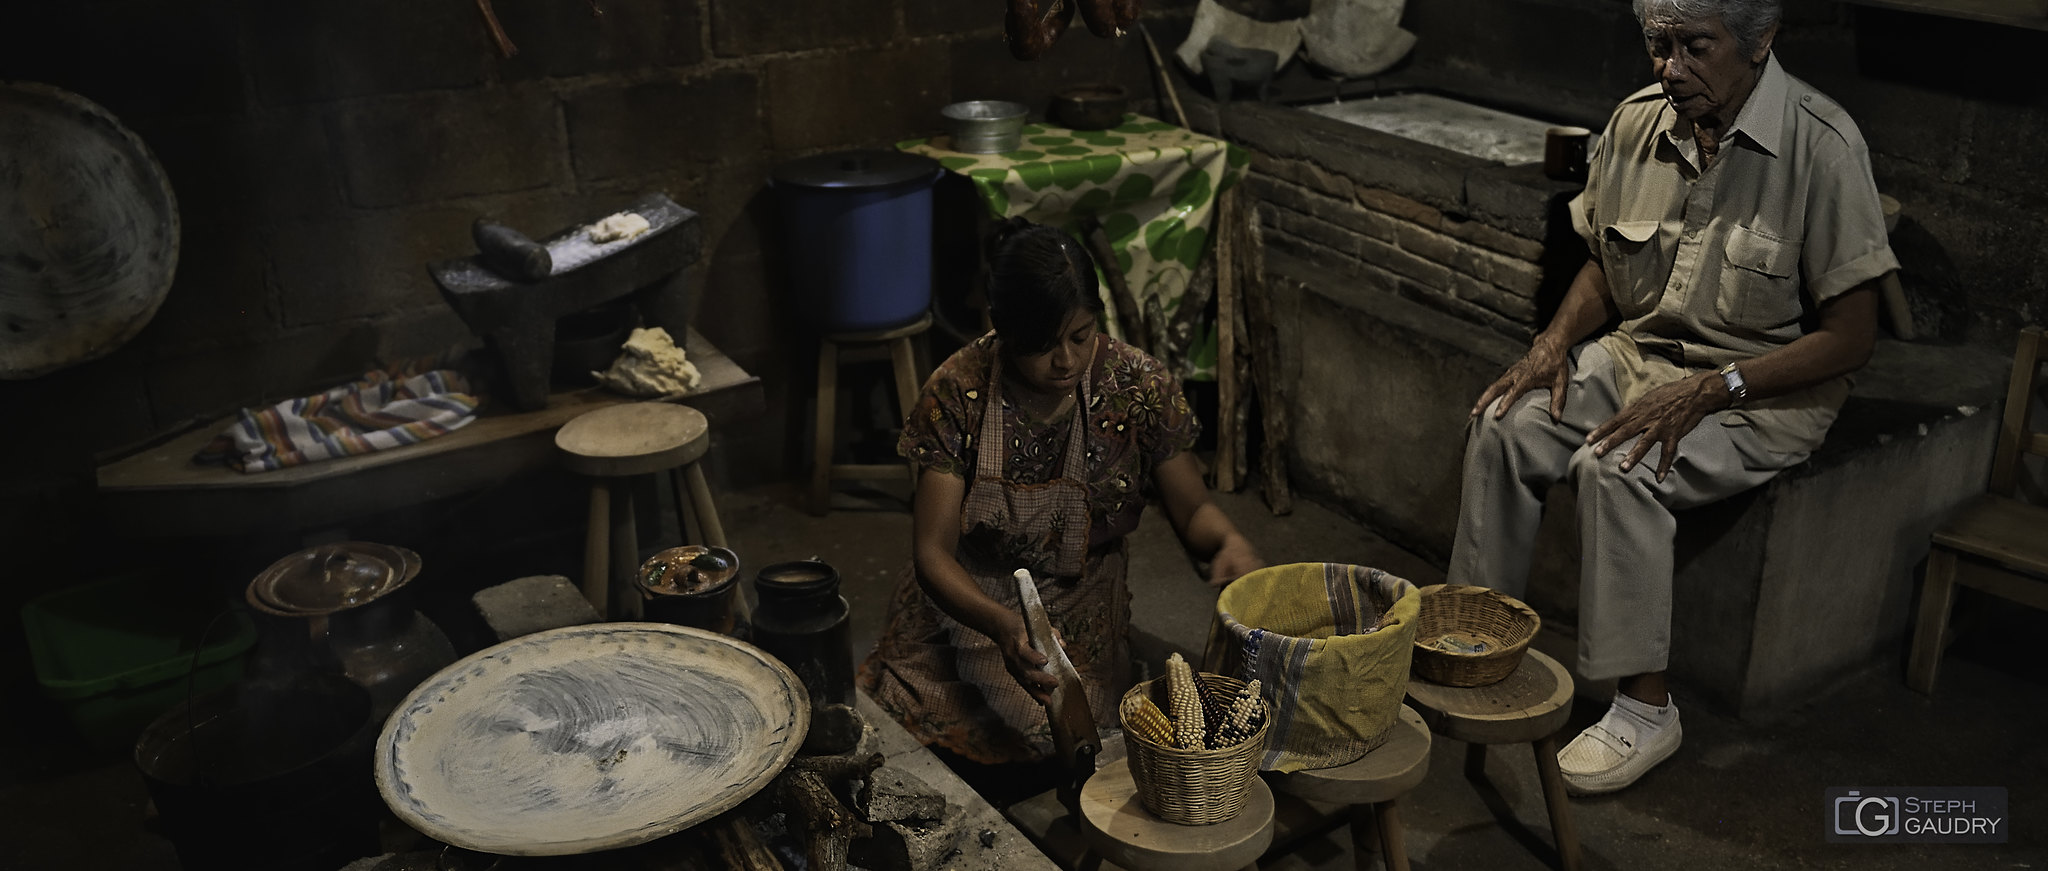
(1074, 739)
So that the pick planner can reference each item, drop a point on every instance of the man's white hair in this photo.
(1746, 20)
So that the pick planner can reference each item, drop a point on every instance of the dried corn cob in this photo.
(1246, 713)
(1188, 730)
(1215, 708)
(1144, 719)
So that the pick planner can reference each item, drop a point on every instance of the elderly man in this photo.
(1736, 236)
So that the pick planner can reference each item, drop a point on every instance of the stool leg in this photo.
(687, 523)
(625, 554)
(1393, 841)
(901, 354)
(1475, 762)
(1554, 796)
(821, 446)
(701, 505)
(596, 547)
(1937, 598)
(1365, 838)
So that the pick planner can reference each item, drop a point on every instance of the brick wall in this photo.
(323, 153)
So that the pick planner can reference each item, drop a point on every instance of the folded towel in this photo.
(383, 410)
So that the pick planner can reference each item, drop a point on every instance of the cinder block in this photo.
(936, 17)
(559, 39)
(533, 604)
(983, 69)
(243, 171)
(748, 27)
(638, 130)
(856, 99)
(221, 292)
(307, 52)
(369, 264)
(437, 146)
(141, 60)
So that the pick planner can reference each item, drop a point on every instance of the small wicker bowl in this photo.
(1454, 617)
(1194, 787)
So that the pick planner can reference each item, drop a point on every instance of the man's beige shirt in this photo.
(1719, 266)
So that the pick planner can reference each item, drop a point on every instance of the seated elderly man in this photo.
(1736, 236)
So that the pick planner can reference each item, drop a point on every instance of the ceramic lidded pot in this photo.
(345, 605)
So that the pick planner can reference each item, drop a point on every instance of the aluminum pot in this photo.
(986, 126)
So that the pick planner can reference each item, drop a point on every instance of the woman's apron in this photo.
(954, 685)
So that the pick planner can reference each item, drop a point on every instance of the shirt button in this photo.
(1806, 99)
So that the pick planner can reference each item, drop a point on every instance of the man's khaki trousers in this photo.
(1625, 524)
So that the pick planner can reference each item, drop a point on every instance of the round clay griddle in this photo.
(589, 738)
(88, 231)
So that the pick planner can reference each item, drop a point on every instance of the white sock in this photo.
(1652, 716)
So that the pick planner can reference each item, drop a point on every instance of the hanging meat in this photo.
(1034, 25)
(1109, 18)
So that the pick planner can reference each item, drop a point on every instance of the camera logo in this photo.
(1871, 816)
(1916, 815)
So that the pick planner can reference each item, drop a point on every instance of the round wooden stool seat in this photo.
(1123, 832)
(1528, 705)
(640, 438)
(1385, 774)
(888, 335)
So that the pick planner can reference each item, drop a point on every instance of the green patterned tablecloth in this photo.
(1153, 187)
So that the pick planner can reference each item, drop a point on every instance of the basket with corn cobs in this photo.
(1194, 742)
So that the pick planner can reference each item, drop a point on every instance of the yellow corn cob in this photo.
(1144, 719)
(1187, 704)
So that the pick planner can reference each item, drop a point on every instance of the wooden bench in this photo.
(160, 493)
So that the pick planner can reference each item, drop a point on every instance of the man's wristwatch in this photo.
(1738, 392)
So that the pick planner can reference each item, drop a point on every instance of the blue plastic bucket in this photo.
(858, 226)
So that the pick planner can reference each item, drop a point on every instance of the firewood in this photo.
(829, 828)
(738, 848)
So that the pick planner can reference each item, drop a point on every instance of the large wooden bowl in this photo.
(589, 738)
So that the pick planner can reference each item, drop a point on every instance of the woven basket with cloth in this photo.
(1332, 644)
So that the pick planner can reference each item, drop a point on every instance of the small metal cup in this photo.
(1564, 153)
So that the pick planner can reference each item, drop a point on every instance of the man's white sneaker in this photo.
(1611, 754)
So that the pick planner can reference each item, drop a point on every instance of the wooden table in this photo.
(160, 492)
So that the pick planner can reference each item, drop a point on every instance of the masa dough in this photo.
(624, 225)
(650, 364)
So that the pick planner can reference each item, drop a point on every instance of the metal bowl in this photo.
(986, 126)
(1089, 107)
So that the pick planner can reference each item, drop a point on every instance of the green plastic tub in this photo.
(117, 653)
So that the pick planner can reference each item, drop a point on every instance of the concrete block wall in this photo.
(323, 153)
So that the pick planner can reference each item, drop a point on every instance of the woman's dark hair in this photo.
(1037, 275)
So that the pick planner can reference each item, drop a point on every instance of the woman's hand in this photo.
(1026, 664)
(1235, 558)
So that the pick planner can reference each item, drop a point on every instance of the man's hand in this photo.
(1233, 560)
(1661, 417)
(1543, 366)
(1026, 664)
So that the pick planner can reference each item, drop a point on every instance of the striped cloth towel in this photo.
(1331, 644)
(383, 410)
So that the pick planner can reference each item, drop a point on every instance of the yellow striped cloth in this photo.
(1332, 645)
(383, 410)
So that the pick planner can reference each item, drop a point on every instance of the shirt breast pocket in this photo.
(1760, 286)
(1633, 256)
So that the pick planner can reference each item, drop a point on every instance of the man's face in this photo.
(1700, 66)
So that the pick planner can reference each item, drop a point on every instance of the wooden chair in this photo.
(1994, 543)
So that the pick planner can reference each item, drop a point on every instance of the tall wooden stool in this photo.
(612, 445)
(1120, 830)
(1528, 707)
(1371, 786)
(905, 357)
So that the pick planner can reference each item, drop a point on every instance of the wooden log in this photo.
(1128, 315)
(829, 828)
(1227, 435)
(1272, 389)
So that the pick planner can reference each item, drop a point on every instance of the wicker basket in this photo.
(1471, 614)
(1194, 787)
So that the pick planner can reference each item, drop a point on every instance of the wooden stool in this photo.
(1371, 786)
(907, 360)
(623, 441)
(1529, 706)
(1120, 830)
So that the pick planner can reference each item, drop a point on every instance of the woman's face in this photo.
(1058, 370)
